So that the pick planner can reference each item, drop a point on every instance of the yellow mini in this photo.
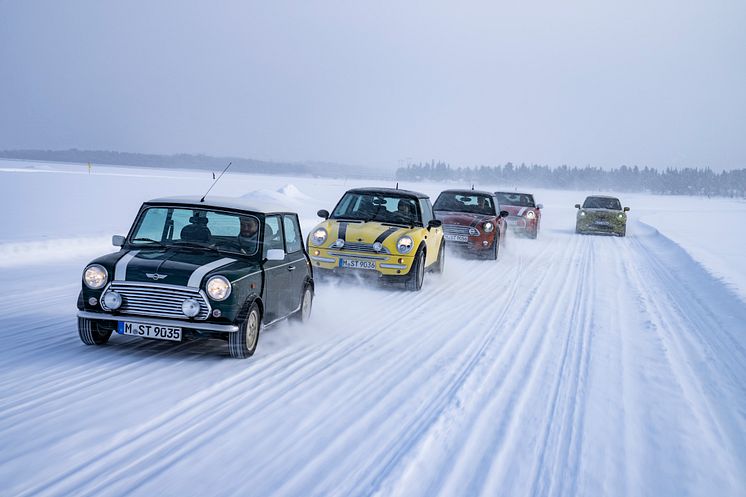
(388, 233)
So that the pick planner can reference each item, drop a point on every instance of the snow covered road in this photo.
(575, 365)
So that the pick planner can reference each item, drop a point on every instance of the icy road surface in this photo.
(575, 365)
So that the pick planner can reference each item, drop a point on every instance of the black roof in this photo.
(466, 191)
(230, 203)
(389, 191)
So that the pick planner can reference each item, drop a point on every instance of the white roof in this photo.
(219, 202)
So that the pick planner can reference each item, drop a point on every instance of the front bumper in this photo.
(176, 323)
(613, 228)
(386, 264)
(520, 223)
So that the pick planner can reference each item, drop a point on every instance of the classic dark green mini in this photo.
(218, 268)
(601, 215)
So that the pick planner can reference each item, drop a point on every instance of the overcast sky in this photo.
(646, 82)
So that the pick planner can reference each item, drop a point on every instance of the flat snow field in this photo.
(574, 365)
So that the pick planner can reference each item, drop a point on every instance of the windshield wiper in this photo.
(182, 243)
(150, 240)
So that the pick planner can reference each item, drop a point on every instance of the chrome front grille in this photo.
(149, 299)
(459, 230)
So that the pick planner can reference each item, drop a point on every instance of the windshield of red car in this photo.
(378, 207)
(602, 203)
(517, 199)
(471, 203)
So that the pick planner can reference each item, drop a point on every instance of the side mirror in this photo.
(117, 240)
(275, 255)
(577, 206)
(539, 206)
(626, 209)
(323, 213)
(504, 213)
(434, 223)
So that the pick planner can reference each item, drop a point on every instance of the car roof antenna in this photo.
(397, 185)
(472, 187)
(214, 182)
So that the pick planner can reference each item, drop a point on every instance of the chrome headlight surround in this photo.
(405, 244)
(95, 276)
(218, 288)
(530, 215)
(318, 237)
(488, 227)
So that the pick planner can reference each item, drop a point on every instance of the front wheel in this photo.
(242, 343)
(90, 333)
(416, 275)
(306, 303)
(440, 264)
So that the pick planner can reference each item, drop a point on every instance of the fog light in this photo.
(112, 300)
(400, 260)
(377, 246)
(339, 243)
(316, 252)
(485, 243)
(216, 313)
(92, 301)
(190, 308)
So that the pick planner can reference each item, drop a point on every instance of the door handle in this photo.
(291, 268)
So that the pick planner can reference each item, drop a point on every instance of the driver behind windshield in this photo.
(248, 236)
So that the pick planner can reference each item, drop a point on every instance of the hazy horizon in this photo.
(478, 82)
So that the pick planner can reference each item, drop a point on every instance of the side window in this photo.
(427, 211)
(273, 234)
(292, 234)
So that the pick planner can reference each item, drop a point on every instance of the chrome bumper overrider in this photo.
(227, 328)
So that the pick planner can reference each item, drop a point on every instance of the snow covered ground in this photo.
(574, 365)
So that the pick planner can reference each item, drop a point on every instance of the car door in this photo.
(276, 275)
(434, 236)
(296, 258)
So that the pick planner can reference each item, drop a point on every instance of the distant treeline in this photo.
(196, 161)
(670, 181)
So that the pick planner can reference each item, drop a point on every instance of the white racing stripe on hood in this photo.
(120, 270)
(196, 278)
(523, 209)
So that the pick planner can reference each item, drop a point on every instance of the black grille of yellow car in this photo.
(362, 247)
(158, 300)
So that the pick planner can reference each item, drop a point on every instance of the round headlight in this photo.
(405, 245)
(190, 308)
(318, 237)
(620, 216)
(112, 300)
(218, 288)
(488, 226)
(530, 214)
(95, 276)
(582, 213)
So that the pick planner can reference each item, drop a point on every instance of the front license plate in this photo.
(356, 264)
(150, 331)
(601, 223)
(456, 238)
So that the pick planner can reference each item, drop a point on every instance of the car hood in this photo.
(366, 233)
(516, 210)
(177, 267)
(462, 218)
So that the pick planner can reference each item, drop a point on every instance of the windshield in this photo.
(162, 227)
(377, 207)
(602, 203)
(458, 202)
(517, 199)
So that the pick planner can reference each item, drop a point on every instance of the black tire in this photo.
(623, 232)
(416, 275)
(306, 304)
(90, 333)
(242, 343)
(533, 234)
(495, 248)
(440, 264)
